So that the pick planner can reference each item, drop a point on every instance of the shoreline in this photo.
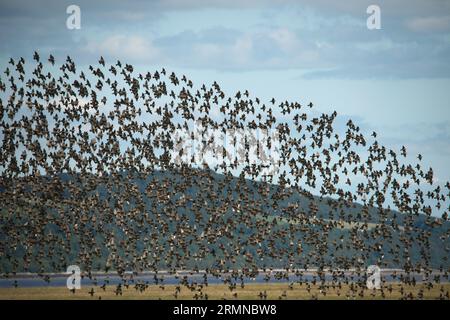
(271, 291)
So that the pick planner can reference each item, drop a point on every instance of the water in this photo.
(98, 280)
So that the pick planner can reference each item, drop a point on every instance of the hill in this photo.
(198, 219)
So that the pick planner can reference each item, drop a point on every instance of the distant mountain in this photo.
(198, 219)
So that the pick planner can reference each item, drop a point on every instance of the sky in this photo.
(394, 80)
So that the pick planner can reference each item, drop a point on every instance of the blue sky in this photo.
(395, 80)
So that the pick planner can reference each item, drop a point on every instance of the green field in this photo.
(220, 291)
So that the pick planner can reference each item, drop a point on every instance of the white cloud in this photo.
(384, 44)
(285, 38)
(425, 24)
(242, 49)
(135, 48)
(207, 50)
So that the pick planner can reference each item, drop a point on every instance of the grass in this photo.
(220, 291)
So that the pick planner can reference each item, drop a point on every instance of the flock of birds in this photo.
(88, 177)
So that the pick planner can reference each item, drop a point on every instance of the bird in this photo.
(51, 59)
(124, 169)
